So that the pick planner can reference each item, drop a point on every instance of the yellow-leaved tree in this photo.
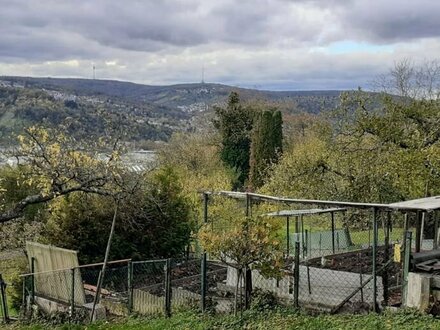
(244, 243)
(55, 164)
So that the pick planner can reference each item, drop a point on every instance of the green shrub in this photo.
(263, 300)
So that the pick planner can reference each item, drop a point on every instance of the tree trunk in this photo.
(239, 271)
(248, 287)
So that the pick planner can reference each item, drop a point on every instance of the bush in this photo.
(263, 300)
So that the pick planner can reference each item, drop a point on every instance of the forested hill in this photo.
(181, 96)
(152, 112)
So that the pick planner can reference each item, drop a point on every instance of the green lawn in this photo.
(263, 320)
(360, 238)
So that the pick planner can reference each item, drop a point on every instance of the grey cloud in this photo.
(250, 40)
(391, 20)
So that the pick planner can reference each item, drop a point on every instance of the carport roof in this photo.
(292, 213)
(421, 204)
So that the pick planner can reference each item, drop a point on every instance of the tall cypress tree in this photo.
(235, 125)
(266, 145)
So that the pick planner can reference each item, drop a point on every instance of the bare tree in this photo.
(408, 79)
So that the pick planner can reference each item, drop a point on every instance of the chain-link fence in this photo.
(350, 258)
(148, 287)
(335, 260)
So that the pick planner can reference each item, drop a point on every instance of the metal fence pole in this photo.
(435, 241)
(418, 230)
(72, 293)
(288, 234)
(247, 270)
(407, 244)
(375, 307)
(296, 276)
(333, 231)
(24, 299)
(385, 276)
(32, 280)
(130, 286)
(3, 299)
(168, 288)
(204, 259)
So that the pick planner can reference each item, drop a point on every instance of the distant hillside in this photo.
(173, 96)
(151, 112)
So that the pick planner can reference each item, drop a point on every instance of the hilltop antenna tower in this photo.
(203, 73)
(94, 75)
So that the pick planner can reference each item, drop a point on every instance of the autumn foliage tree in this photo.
(243, 244)
(54, 164)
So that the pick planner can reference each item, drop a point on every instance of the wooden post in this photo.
(104, 265)
(375, 307)
(333, 231)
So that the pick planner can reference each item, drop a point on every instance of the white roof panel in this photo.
(289, 213)
(422, 204)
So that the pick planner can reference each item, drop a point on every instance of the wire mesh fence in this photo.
(334, 260)
(337, 259)
(148, 288)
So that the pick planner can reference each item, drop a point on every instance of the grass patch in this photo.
(280, 319)
(10, 268)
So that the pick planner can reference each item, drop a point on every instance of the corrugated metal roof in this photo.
(288, 213)
(422, 204)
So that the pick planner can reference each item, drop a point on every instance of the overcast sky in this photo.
(271, 44)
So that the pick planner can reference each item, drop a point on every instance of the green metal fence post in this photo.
(375, 306)
(333, 231)
(288, 234)
(407, 244)
(3, 300)
(204, 259)
(385, 277)
(72, 294)
(23, 298)
(32, 280)
(418, 230)
(168, 288)
(130, 287)
(247, 270)
(435, 242)
(296, 276)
